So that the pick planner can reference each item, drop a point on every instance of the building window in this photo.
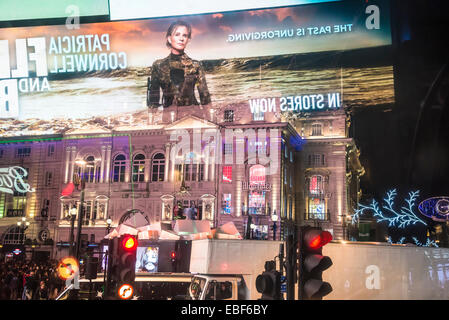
(119, 168)
(229, 116)
(285, 175)
(317, 208)
(316, 160)
(192, 169)
(16, 205)
(228, 148)
(259, 116)
(48, 178)
(51, 150)
(158, 167)
(90, 171)
(259, 147)
(316, 201)
(227, 174)
(188, 172)
(23, 152)
(15, 235)
(139, 168)
(45, 208)
(227, 203)
(194, 172)
(178, 172)
(256, 202)
(2, 204)
(259, 232)
(290, 209)
(316, 185)
(317, 129)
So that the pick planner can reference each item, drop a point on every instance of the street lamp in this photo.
(108, 222)
(80, 181)
(274, 218)
(253, 227)
(23, 225)
(72, 217)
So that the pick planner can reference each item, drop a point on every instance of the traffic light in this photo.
(173, 256)
(124, 261)
(269, 282)
(312, 263)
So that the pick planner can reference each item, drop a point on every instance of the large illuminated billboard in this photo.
(307, 57)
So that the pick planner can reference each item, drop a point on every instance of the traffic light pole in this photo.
(300, 265)
(290, 267)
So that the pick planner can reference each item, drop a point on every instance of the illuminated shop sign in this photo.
(300, 58)
(300, 103)
(249, 186)
(257, 175)
(13, 179)
(436, 208)
(227, 203)
(227, 173)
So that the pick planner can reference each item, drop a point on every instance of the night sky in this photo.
(392, 157)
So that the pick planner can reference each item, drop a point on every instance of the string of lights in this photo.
(400, 219)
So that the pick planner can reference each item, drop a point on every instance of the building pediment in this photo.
(87, 130)
(191, 122)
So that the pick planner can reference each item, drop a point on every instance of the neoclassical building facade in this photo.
(231, 164)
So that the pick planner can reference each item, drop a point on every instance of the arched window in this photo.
(89, 171)
(119, 168)
(139, 168)
(158, 167)
(15, 235)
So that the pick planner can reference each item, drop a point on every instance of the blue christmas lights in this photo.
(399, 219)
(429, 243)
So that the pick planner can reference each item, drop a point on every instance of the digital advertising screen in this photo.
(147, 259)
(303, 58)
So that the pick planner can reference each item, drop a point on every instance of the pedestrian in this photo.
(42, 291)
(14, 285)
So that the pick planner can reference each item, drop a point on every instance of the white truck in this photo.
(379, 271)
(360, 271)
(227, 269)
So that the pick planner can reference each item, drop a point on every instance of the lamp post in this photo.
(108, 227)
(274, 218)
(23, 225)
(72, 217)
(253, 227)
(80, 181)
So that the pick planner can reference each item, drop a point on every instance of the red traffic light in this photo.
(129, 243)
(173, 255)
(315, 239)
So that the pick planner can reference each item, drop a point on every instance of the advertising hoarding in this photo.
(301, 58)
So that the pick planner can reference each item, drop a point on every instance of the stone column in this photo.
(102, 164)
(67, 164)
(167, 162)
(108, 163)
(72, 164)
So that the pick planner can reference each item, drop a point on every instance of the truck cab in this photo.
(207, 287)
(217, 287)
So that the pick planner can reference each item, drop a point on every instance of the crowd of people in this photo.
(21, 280)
